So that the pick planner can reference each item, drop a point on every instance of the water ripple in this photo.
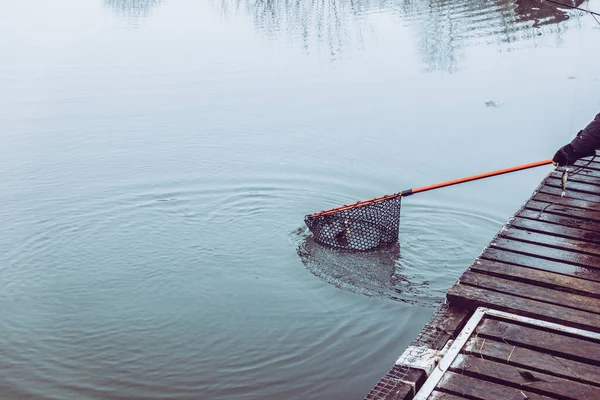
(418, 269)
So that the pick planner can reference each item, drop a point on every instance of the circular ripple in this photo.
(435, 246)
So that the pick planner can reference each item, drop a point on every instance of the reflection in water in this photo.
(448, 26)
(376, 273)
(445, 26)
(333, 23)
(133, 9)
(430, 258)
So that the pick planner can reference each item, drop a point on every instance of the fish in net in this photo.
(363, 227)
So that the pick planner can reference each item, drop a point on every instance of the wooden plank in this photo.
(547, 227)
(583, 176)
(534, 276)
(592, 167)
(585, 162)
(533, 292)
(450, 322)
(435, 395)
(509, 257)
(459, 384)
(567, 222)
(552, 205)
(566, 201)
(533, 360)
(402, 390)
(586, 188)
(551, 342)
(548, 253)
(558, 242)
(556, 191)
(473, 297)
(506, 374)
(580, 171)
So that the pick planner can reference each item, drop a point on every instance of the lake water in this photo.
(157, 159)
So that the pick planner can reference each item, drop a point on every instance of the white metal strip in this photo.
(453, 351)
(544, 324)
(466, 332)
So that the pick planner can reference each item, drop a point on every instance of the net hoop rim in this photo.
(430, 187)
(352, 206)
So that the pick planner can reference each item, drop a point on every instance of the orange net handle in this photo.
(431, 187)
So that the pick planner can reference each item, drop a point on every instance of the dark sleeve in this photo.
(588, 140)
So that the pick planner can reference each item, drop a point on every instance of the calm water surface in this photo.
(157, 159)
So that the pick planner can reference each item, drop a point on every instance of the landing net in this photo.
(362, 226)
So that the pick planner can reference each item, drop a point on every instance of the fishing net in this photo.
(362, 226)
(369, 224)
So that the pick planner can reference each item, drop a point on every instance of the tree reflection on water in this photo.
(445, 27)
(132, 9)
(333, 23)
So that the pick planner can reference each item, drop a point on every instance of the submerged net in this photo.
(362, 226)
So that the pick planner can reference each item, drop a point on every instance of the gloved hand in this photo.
(565, 156)
(579, 147)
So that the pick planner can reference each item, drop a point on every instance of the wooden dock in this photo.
(544, 266)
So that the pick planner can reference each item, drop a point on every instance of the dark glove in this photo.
(565, 156)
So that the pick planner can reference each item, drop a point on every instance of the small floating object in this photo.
(493, 103)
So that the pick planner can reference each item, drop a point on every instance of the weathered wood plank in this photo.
(579, 171)
(533, 292)
(509, 257)
(539, 277)
(533, 360)
(511, 376)
(572, 186)
(551, 342)
(450, 323)
(588, 164)
(556, 191)
(592, 167)
(445, 396)
(473, 297)
(552, 205)
(393, 389)
(566, 201)
(549, 228)
(456, 383)
(563, 221)
(548, 253)
(583, 176)
(558, 242)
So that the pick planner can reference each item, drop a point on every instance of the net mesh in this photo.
(364, 227)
